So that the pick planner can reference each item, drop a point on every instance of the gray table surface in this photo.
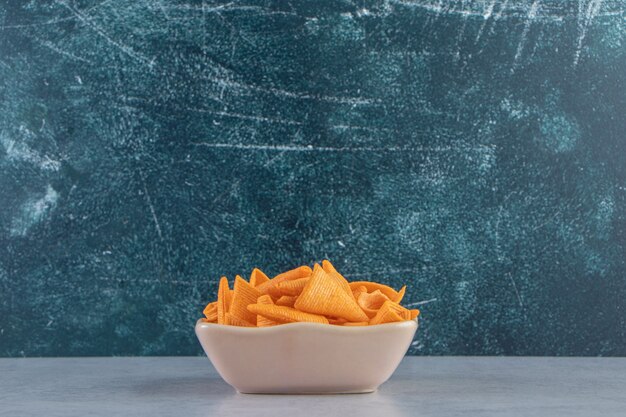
(422, 386)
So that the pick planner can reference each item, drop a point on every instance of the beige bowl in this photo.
(306, 358)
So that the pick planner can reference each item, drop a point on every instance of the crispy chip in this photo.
(223, 300)
(371, 302)
(337, 321)
(210, 312)
(386, 314)
(236, 321)
(271, 287)
(414, 313)
(402, 312)
(356, 323)
(324, 295)
(400, 295)
(327, 266)
(244, 294)
(342, 282)
(264, 299)
(285, 314)
(260, 320)
(293, 287)
(286, 300)
(373, 286)
(299, 272)
(257, 277)
(358, 291)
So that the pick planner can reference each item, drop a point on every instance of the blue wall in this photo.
(473, 150)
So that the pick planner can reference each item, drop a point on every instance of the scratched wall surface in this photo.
(473, 150)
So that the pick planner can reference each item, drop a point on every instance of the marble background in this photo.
(475, 151)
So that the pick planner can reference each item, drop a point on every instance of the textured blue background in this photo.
(473, 150)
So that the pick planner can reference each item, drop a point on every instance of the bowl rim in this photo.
(320, 326)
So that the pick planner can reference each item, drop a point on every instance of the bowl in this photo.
(306, 358)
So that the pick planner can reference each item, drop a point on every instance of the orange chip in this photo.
(285, 314)
(244, 294)
(271, 287)
(373, 286)
(371, 302)
(400, 295)
(293, 287)
(223, 300)
(402, 312)
(260, 320)
(210, 312)
(299, 272)
(330, 269)
(342, 282)
(358, 291)
(356, 323)
(257, 277)
(286, 300)
(324, 295)
(414, 313)
(337, 321)
(327, 266)
(264, 299)
(386, 314)
(236, 321)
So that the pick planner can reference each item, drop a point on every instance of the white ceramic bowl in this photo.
(306, 358)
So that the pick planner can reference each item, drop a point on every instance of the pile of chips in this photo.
(318, 295)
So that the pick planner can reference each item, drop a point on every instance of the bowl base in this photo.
(338, 392)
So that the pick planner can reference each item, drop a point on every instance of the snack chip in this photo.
(260, 320)
(257, 277)
(286, 300)
(294, 287)
(210, 312)
(223, 300)
(285, 314)
(319, 295)
(243, 294)
(324, 295)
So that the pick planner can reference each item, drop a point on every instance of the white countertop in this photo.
(422, 386)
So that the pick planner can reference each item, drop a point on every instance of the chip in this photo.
(293, 287)
(243, 294)
(260, 320)
(286, 300)
(236, 321)
(223, 300)
(330, 269)
(371, 302)
(373, 286)
(386, 314)
(324, 295)
(400, 295)
(327, 266)
(285, 314)
(299, 272)
(210, 312)
(257, 277)
(271, 287)
(358, 291)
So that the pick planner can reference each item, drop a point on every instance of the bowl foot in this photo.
(305, 392)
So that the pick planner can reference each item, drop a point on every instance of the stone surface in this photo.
(473, 150)
(442, 387)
